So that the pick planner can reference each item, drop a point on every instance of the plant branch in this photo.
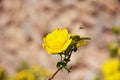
(59, 68)
(55, 73)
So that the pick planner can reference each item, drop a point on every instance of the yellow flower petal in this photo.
(109, 67)
(115, 76)
(57, 41)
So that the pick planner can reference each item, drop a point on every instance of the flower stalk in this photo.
(61, 43)
(55, 73)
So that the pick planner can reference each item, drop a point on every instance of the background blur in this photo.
(24, 23)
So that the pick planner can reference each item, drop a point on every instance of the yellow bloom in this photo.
(110, 67)
(57, 41)
(25, 75)
(42, 71)
(115, 76)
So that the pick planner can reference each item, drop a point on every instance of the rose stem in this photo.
(55, 74)
(59, 68)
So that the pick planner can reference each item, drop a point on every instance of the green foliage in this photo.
(114, 47)
(116, 30)
(113, 53)
(97, 78)
(65, 56)
(23, 65)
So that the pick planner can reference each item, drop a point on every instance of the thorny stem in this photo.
(59, 68)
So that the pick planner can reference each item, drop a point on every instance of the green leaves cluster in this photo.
(65, 56)
(115, 46)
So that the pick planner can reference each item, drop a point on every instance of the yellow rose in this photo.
(110, 67)
(57, 41)
(115, 76)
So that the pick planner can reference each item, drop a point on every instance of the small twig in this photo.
(55, 74)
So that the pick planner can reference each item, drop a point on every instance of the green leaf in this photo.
(75, 37)
(66, 68)
(63, 64)
(113, 53)
(59, 64)
(85, 38)
(66, 60)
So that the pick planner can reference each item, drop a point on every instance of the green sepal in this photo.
(85, 38)
(75, 37)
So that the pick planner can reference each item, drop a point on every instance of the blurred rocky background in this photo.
(24, 23)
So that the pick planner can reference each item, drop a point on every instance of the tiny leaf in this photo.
(59, 64)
